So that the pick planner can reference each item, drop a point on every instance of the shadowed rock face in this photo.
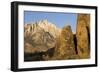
(83, 35)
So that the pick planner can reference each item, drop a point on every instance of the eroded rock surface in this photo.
(83, 35)
(65, 47)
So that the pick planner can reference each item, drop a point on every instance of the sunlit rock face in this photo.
(83, 35)
(40, 37)
(65, 45)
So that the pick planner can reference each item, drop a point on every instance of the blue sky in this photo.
(57, 18)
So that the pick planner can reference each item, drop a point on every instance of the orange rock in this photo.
(83, 35)
(65, 48)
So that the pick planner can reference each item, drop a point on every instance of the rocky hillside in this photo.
(44, 41)
(39, 37)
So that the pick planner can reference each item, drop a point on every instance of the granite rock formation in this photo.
(83, 35)
(65, 48)
(39, 38)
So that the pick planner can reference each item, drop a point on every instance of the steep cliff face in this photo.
(49, 27)
(83, 35)
(65, 45)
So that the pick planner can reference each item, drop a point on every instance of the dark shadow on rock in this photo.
(39, 56)
(75, 42)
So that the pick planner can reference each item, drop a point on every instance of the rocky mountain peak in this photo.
(40, 35)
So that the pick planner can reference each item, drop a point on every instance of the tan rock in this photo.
(65, 45)
(83, 35)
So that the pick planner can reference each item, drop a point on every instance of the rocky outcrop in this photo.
(65, 45)
(83, 35)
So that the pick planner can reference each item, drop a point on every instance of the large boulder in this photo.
(83, 35)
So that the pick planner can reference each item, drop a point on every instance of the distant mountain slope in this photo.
(40, 36)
